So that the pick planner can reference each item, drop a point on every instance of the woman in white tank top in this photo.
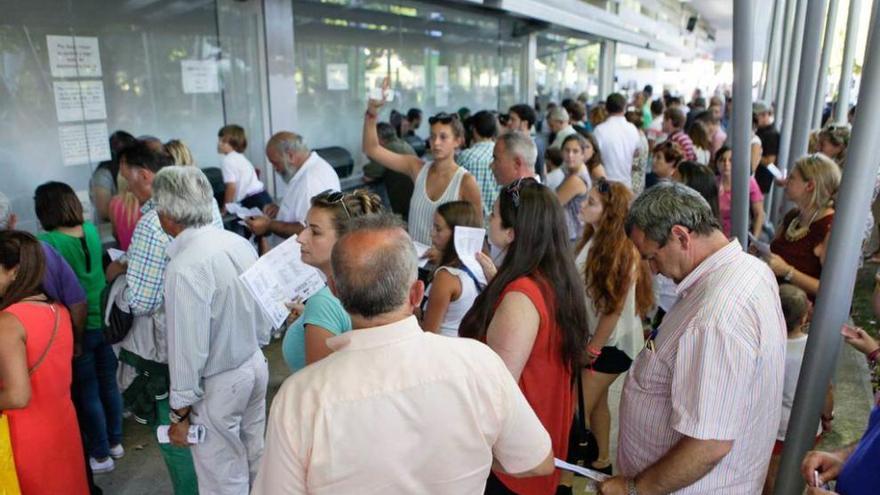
(453, 290)
(436, 182)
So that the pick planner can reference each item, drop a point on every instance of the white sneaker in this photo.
(117, 451)
(104, 466)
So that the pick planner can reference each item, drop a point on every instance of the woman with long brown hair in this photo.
(36, 348)
(618, 295)
(532, 314)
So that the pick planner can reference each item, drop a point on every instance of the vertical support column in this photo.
(790, 94)
(743, 54)
(784, 55)
(822, 82)
(771, 56)
(607, 56)
(838, 278)
(528, 82)
(279, 64)
(849, 55)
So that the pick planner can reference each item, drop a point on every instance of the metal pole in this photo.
(827, 45)
(784, 55)
(741, 126)
(838, 278)
(849, 55)
(809, 73)
(790, 94)
(772, 58)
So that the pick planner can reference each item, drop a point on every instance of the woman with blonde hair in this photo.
(179, 152)
(812, 186)
(618, 294)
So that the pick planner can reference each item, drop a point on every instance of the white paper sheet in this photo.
(199, 76)
(98, 141)
(441, 76)
(762, 247)
(74, 149)
(776, 171)
(468, 242)
(79, 100)
(115, 254)
(280, 276)
(242, 212)
(195, 435)
(418, 76)
(71, 56)
(589, 473)
(337, 77)
(421, 249)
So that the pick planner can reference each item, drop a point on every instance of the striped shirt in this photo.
(422, 208)
(715, 372)
(478, 160)
(213, 321)
(687, 146)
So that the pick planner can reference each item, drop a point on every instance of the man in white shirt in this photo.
(618, 140)
(306, 175)
(396, 410)
(214, 332)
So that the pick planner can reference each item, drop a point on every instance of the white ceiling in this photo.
(719, 14)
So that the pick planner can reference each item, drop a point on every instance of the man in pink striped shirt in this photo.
(673, 125)
(701, 403)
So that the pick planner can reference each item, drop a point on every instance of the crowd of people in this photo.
(607, 251)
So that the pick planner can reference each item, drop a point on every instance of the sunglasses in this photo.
(443, 118)
(603, 186)
(515, 187)
(333, 197)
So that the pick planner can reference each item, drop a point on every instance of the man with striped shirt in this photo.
(702, 401)
(673, 125)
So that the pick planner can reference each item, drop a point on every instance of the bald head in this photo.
(374, 266)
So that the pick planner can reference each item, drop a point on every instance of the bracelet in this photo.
(370, 115)
(872, 357)
(594, 351)
(789, 275)
(631, 487)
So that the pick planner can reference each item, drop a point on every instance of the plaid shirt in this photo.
(147, 261)
(477, 160)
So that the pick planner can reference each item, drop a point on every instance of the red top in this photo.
(44, 434)
(546, 382)
(799, 254)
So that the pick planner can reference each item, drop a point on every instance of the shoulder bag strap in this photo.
(49, 345)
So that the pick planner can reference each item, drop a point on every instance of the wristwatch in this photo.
(631, 487)
(177, 418)
(789, 275)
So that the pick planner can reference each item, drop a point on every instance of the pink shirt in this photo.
(395, 410)
(716, 372)
(724, 200)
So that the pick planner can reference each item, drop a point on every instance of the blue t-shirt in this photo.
(859, 474)
(322, 309)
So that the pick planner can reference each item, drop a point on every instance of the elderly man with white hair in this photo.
(215, 329)
(306, 175)
(560, 124)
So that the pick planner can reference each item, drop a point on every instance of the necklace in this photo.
(796, 231)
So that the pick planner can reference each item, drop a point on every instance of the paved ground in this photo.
(142, 472)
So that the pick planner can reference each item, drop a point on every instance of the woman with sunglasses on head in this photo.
(618, 294)
(36, 347)
(533, 314)
(454, 287)
(583, 164)
(323, 316)
(435, 182)
(95, 390)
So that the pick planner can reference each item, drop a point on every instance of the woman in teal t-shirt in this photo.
(95, 392)
(323, 315)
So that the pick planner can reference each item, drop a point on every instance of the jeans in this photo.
(96, 395)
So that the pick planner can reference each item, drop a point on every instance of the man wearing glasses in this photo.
(701, 404)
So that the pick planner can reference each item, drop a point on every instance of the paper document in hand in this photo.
(762, 247)
(115, 254)
(242, 212)
(421, 249)
(468, 242)
(589, 473)
(280, 276)
(196, 434)
(773, 169)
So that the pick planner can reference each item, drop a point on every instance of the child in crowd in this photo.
(796, 309)
(665, 158)
(242, 184)
(454, 288)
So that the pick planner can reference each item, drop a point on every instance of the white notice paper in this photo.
(98, 142)
(468, 242)
(242, 212)
(337, 77)
(74, 149)
(421, 249)
(79, 100)
(71, 56)
(589, 473)
(199, 76)
(280, 276)
(196, 434)
(115, 254)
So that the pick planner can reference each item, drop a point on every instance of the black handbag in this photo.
(119, 322)
(582, 446)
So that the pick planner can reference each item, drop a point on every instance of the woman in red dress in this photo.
(533, 314)
(36, 351)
